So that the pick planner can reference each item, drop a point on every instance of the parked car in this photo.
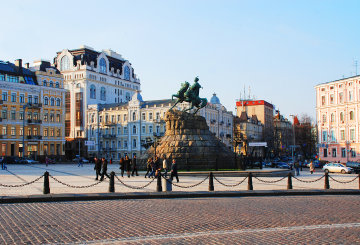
(11, 160)
(82, 158)
(282, 165)
(354, 165)
(337, 168)
(28, 161)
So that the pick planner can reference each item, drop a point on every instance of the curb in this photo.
(169, 195)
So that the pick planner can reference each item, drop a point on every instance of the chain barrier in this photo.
(185, 187)
(309, 181)
(74, 186)
(343, 182)
(134, 187)
(234, 185)
(22, 185)
(270, 181)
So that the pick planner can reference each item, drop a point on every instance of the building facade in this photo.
(92, 77)
(32, 110)
(122, 129)
(283, 135)
(338, 118)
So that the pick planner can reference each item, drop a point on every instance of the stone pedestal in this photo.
(189, 141)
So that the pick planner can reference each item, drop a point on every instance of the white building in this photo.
(125, 127)
(93, 78)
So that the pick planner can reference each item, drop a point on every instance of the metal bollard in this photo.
(359, 181)
(211, 182)
(112, 182)
(158, 186)
(167, 183)
(46, 189)
(250, 183)
(327, 184)
(289, 184)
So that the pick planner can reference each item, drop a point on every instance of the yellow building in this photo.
(32, 110)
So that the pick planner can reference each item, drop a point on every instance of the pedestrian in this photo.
(110, 161)
(174, 171)
(153, 168)
(104, 164)
(134, 167)
(97, 167)
(128, 165)
(311, 166)
(297, 167)
(46, 161)
(3, 166)
(80, 162)
(157, 167)
(148, 167)
(165, 166)
(122, 166)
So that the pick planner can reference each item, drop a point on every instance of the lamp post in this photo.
(293, 146)
(23, 144)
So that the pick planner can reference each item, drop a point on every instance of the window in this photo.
(102, 93)
(125, 130)
(46, 132)
(343, 152)
(134, 129)
(2, 77)
(127, 73)
(58, 102)
(352, 134)
(143, 129)
(134, 116)
(324, 136)
(64, 63)
(52, 101)
(143, 116)
(127, 96)
(58, 132)
(46, 117)
(334, 152)
(22, 98)
(4, 131)
(150, 116)
(57, 85)
(30, 99)
(51, 84)
(325, 152)
(51, 117)
(57, 117)
(21, 115)
(102, 65)
(150, 129)
(158, 115)
(119, 130)
(52, 132)
(332, 118)
(4, 114)
(331, 99)
(324, 118)
(13, 115)
(13, 132)
(341, 97)
(92, 92)
(157, 129)
(21, 131)
(45, 83)
(13, 97)
(36, 99)
(46, 100)
(353, 152)
(351, 115)
(119, 144)
(342, 117)
(342, 134)
(4, 96)
(125, 144)
(322, 100)
(134, 143)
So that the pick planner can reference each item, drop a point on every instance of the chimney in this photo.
(18, 63)
(27, 65)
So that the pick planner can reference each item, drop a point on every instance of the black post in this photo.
(112, 182)
(359, 181)
(159, 186)
(250, 183)
(211, 182)
(289, 184)
(46, 189)
(327, 184)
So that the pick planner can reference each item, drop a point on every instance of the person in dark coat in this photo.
(97, 167)
(148, 167)
(104, 164)
(128, 165)
(174, 170)
(134, 167)
(122, 166)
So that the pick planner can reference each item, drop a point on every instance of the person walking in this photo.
(3, 163)
(80, 162)
(157, 167)
(122, 166)
(165, 166)
(148, 167)
(128, 165)
(46, 161)
(104, 164)
(97, 167)
(134, 167)
(153, 169)
(174, 171)
(311, 167)
(297, 167)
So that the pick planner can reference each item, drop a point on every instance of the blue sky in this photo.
(281, 49)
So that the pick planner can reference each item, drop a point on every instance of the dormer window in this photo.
(127, 73)
(51, 84)
(102, 65)
(45, 83)
(64, 63)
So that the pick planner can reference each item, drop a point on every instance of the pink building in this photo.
(338, 118)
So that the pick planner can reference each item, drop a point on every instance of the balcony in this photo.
(34, 105)
(109, 123)
(34, 121)
(34, 137)
(107, 149)
(158, 120)
(109, 136)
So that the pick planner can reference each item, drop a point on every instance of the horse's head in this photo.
(196, 79)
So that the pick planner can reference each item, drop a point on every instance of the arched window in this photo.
(127, 96)
(324, 118)
(134, 116)
(78, 85)
(102, 65)
(58, 102)
(92, 92)
(52, 101)
(332, 117)
(46, 100)
(134, 129)
(64, 63)
(45, 83)
(51, 84)
(351, 115)
(341, 116)
(57, 85)
(127, 73)
(134, 143)
(103, 93)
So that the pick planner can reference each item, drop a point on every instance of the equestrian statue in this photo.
(191, 95)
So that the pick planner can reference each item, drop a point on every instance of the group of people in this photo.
(153, 168)
(101, 168)
(127, 164)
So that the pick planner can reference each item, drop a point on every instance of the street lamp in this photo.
(23, 144)
(293, 146)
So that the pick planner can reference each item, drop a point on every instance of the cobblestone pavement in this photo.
(82, 176)
(243, 220)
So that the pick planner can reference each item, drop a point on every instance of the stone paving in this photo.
(241, 220)
(82, 176)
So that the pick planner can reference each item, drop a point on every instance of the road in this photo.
(243, 220)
